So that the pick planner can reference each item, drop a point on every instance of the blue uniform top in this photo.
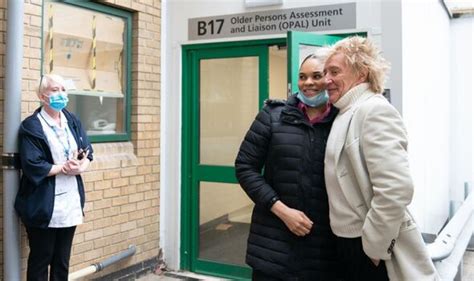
(34, 202)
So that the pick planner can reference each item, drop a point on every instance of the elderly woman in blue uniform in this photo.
(54, 152)
(290, 236)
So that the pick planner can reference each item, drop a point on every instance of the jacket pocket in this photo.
(352, 193)
(359, 168)
(410, 260)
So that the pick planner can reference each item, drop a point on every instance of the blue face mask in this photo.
(58, 101)
(318, 100)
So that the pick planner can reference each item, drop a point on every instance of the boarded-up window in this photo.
(88, 48)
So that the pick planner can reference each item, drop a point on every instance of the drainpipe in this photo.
(96, 267)
(11, 123)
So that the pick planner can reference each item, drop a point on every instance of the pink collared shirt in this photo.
(303, 107)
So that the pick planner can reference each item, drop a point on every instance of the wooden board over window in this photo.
(71, 30)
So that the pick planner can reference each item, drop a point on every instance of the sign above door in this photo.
(317, 18)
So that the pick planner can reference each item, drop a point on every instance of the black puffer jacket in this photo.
(291, 151)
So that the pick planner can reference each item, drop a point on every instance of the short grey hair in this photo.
(45, 82)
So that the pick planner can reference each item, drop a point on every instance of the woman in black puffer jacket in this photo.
(290, 237)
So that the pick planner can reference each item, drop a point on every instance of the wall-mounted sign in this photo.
(317, 18)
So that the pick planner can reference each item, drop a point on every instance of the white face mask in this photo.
(318, 100)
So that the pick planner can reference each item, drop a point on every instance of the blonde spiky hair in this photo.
(361, 56)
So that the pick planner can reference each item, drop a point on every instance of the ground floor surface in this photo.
(468, 273)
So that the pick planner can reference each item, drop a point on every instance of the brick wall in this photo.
(122, 184)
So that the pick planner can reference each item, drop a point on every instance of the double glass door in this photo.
(224, 87)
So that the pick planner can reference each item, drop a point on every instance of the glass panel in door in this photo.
(228, 104)
(277, 85)
(224, 222)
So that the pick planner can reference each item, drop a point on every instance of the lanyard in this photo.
(67, 148)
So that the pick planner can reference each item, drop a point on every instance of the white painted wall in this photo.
(170, 140)
(391, 45)
(460, 94)
(427, 107)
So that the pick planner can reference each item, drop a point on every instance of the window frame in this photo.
(127, 17)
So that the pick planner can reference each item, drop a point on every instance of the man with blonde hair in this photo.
(367, 173)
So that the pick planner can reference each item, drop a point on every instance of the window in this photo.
(89, 45)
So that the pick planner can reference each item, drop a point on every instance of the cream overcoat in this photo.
(373, 172)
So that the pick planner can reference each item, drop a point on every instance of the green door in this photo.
(224, 86)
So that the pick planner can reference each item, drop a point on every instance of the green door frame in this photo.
(192, 171)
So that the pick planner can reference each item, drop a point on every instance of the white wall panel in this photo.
(426, 108)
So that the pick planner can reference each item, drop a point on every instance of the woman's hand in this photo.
(74, 167)
(296, 221)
